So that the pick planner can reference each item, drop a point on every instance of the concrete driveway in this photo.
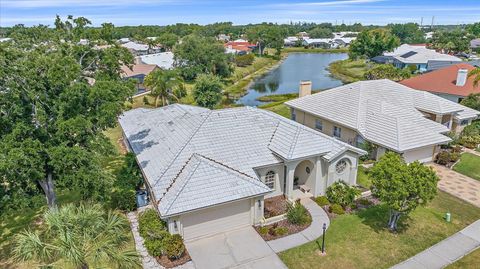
(240, 249)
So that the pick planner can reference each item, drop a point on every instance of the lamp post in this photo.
(323, 238)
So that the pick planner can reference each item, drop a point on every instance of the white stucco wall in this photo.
(349, 175)
(423, 155)
(279, 178)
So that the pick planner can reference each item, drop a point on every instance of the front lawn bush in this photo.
(150, 223)
(322, 201)
(124, 199)
(263, 230)
(443, 157)
(281, 231)
(297, 214)
(155, 247)
(341, 193)
(174, 247)
(470, 142)
(244, 60)
(337, 209)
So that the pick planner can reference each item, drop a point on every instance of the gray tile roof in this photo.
(171, 141)
(384, 112)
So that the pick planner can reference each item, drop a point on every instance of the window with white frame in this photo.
(337, 131)
(318, 124)
(341, 166)
(270, 179)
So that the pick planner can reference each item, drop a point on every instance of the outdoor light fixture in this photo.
(323, 238)
(259, 204)
(175, 225)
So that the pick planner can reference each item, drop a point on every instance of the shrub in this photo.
(150, 224)
(297, 214)
(337, 209)
(263, 230)
(155, 247)
(281, 231)
(454, 156)
(174, 247)
(364, 201)
(341, 193)
(244, 60)
(322, 201)
(123, 199)
(443, 157)
(145, 100)
(470, 142)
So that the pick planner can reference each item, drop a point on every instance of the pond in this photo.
(286, 78)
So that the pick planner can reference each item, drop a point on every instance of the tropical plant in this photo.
(174, 247)
(322, 201)
(165, 85)
(297, 214)
(80, 236)
(402, 187)
(337, 209)
(341, 193)
(475, 73)
(208, 90)
(387, 71)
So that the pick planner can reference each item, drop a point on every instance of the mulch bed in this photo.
(275, 206)
(292, 229)
(167, 263)
(358, 206)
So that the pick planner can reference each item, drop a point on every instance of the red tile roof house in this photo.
(239, 47)
(138, 72)
(451, 83)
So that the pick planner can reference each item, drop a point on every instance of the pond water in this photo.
(286, 77)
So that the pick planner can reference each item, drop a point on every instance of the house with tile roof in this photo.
(386, 114)
(451, 83)
(138, 72)
(208, 171)
(417, 55)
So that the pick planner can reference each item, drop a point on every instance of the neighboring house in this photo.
(385, 113)
(451, 82)
(290, 41)
(163, 60)
(138, 72)
(239, 46)
(124, 40)
(138, 49)
(417, 55)
(5, 39)
(223, 37)
(328, 43)
(208, 171)
(475, 43)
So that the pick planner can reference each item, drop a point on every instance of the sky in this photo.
(164, 12)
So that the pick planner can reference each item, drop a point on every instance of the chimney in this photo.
(137, 60)
(462, 77)
(305, 88)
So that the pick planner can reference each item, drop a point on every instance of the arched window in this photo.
(270, 179)
(341, 166)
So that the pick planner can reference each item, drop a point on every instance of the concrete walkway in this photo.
(447, 251)
(474, 152)
(319, 217)
(458, 185)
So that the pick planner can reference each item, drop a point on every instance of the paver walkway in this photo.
(458, 185)
(148, 261)
(447, 251)
(474, 152)
(314, 231)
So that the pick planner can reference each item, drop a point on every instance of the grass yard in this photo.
(361, 240)
(362, 177)
(469, 165)
(471, 261)
(277, 107)
(349, 71)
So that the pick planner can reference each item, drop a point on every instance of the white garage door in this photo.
(216, 220)
(422, 155)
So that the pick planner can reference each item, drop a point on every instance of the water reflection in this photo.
(286, 78)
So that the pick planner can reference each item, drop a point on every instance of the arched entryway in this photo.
(304, 175)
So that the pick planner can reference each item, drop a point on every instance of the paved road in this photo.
(447, 251)
(242, 248)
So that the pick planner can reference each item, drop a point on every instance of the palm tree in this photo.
(165, 84)
(79, 237)
(475, 73)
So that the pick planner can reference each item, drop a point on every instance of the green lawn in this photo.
(348, 70)
(471, 261)
(469, 165)
(361, 240)
(362, 177)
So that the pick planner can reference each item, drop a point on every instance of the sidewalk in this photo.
(447, 251)
(314, 231)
